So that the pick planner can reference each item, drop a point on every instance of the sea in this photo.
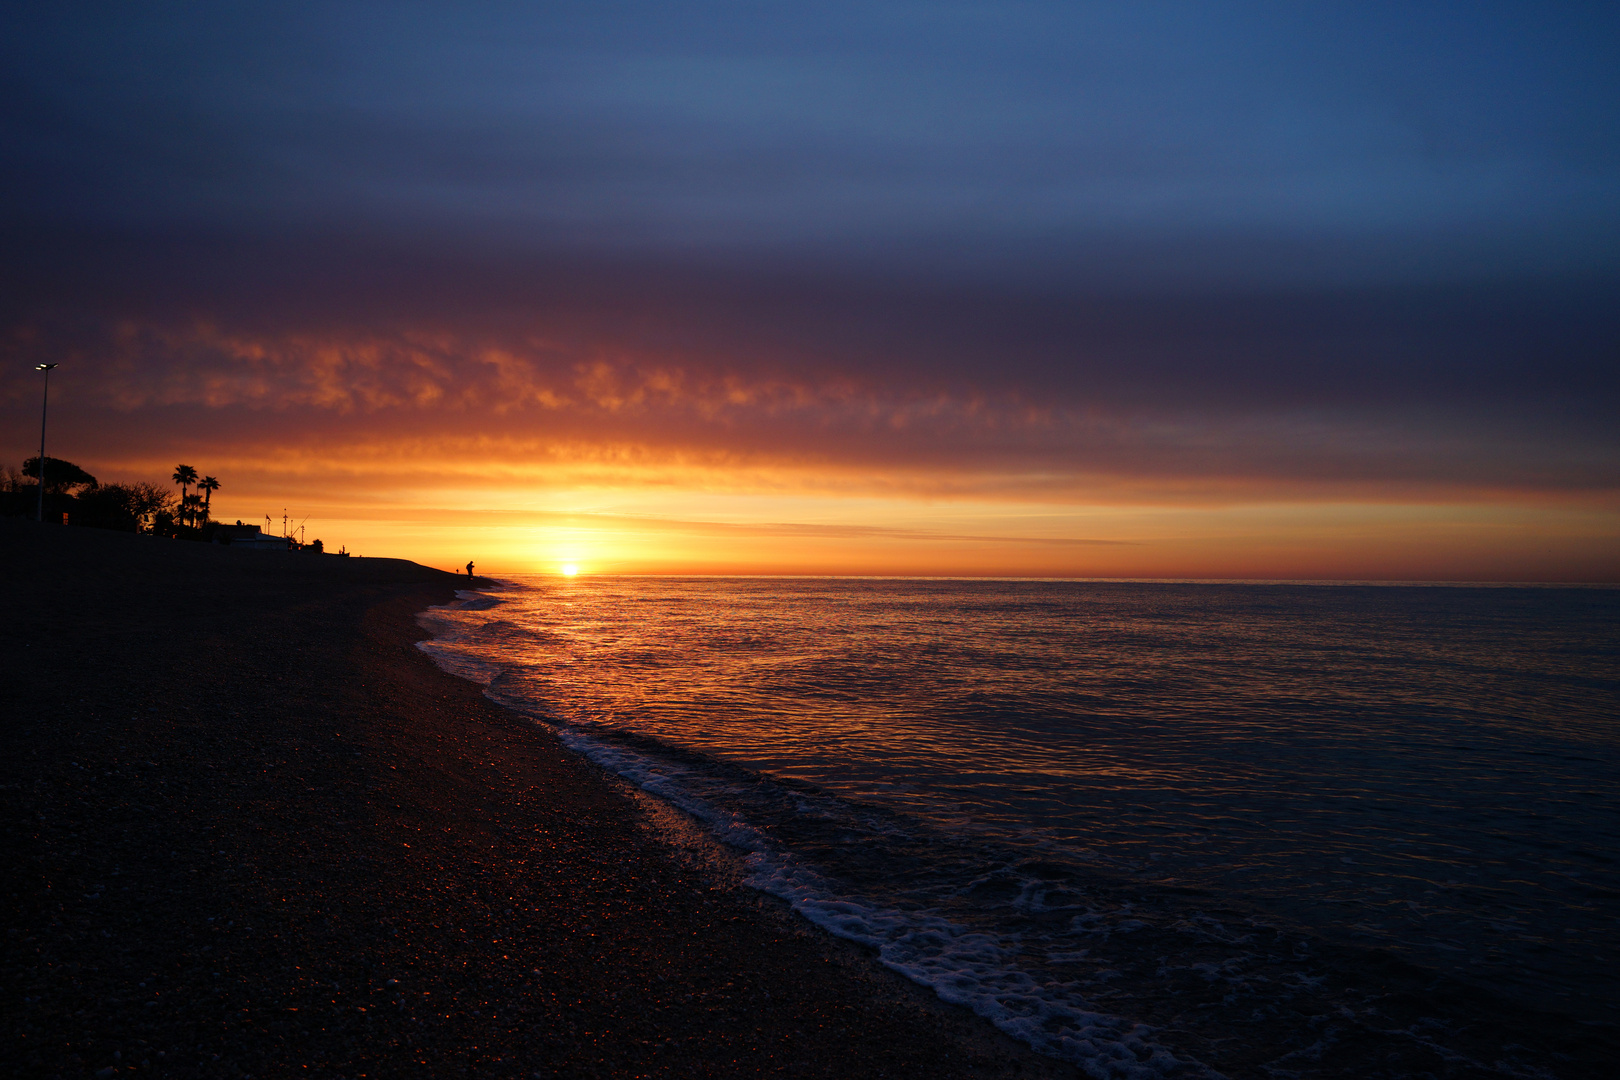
(1063, 804)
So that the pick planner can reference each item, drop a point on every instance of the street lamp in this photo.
(45, 404)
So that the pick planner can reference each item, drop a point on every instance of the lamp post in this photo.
(44, 405)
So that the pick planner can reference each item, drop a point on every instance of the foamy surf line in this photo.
(964, 967)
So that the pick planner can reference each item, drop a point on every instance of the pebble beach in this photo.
(251, 830)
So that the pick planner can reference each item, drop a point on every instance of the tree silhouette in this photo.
(191, 508)
(208, 485)
(185, 476)
(121, 506)
(147, 500)
(61, 477)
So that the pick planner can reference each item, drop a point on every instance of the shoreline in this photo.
(1249, 986)
(253, 829)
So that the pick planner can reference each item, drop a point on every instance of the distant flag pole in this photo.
(43, 407)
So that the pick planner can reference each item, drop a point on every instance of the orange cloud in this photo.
(530, 447)
(600, 413)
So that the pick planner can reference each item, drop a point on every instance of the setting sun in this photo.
(1103, 527)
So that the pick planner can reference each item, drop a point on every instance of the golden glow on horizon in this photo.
(525, 531)
(519, 522)
(558, 445)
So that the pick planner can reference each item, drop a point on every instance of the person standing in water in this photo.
(469, 568)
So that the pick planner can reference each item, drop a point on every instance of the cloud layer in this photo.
(1070, 253)
(1482, 389)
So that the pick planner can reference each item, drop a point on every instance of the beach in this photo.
(253, 831)
(1263, 829)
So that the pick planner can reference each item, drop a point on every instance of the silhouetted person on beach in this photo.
(469, 568)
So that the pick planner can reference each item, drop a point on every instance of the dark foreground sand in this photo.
(250, 830)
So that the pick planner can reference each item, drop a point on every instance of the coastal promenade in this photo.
(250, 830)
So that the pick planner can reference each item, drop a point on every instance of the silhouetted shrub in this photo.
(125, 507)
(61, 477)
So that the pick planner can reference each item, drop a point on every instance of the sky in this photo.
(1190, 290)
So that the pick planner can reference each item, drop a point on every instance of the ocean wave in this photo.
(965, 966)
(1082, 811)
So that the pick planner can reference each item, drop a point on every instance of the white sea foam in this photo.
(448, 633)
(460, 664)
(964, 967)
(977, 970)
(970, 778)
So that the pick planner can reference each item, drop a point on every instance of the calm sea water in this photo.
(984, 779)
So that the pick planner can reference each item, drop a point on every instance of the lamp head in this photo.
(43, 367)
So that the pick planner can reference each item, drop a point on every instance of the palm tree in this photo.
(185, 476)
(208, 485)
(191, 508)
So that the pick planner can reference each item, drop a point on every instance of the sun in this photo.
(569, 570)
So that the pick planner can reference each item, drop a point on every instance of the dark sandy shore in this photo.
(251, 830)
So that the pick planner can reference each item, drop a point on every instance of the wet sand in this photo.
(252, 831)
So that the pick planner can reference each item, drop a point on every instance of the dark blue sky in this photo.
(1181, 142)
(1394, 218)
